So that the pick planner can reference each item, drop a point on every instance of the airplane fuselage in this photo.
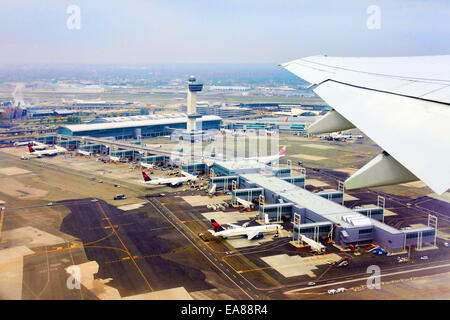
(244, 231)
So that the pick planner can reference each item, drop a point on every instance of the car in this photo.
(117, 186)
(332, 291)
(341, 263)
(311, 283)
(100, 181)
(162, 194)
(203, 237)
(424, 258)
(120, 197)
(50, 204)
(341, 290)
(94, 200)
(446, 244)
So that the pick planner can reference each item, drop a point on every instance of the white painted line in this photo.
(364, 278)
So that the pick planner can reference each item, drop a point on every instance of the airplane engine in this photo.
(260, 236)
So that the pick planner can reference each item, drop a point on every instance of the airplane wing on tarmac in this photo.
(401, 103)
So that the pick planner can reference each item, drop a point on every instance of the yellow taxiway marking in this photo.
(109, 227)
(134, 257)
(125, 247)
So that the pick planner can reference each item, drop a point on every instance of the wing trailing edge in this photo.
(401, 103)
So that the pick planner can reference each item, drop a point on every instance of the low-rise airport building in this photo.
(137, 126)
(282, 124)
(315, 214)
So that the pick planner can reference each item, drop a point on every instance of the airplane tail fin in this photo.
(282, 151)
(30, 147)
(216, 226)
(146, 177)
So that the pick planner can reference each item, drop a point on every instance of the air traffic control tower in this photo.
(193, 88)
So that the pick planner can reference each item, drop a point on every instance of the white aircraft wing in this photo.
(401, 103)
(174, 182)
(188, 175)
(251, 235)
(234, 226)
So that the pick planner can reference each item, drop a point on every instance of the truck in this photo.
(341, 263)
(203, 237)
(378, 250)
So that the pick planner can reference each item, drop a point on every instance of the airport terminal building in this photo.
(281, 124)
(138, 126)
(315, 215)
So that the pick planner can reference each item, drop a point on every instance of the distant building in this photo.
(229, 112)
(293, 124)
(229, 88)
(223, 111)
(131, 127)
(41, 113)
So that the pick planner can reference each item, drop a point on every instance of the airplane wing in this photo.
(234, 226)
(401, 103)
(251, 235)
(175, 182)
(187, 175)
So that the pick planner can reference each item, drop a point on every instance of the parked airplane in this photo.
(84, 153)
(297, 112)
(47, 152)
(37, 145)
(246, 204)
(23, 143)
(390, 100)
(147, 165)
(339, 136)
(173, 182)
(255, 232)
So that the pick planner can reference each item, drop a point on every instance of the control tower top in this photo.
(193, 86)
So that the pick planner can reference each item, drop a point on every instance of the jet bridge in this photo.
(299, 181)
(94, 148)
(373, 212)
(247, 194)
(310, 233)
(333, 195)
(224, 182)
(275, 211)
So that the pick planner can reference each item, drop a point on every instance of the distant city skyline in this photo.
(223, 31)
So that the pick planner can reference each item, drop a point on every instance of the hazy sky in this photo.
(218, 31)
